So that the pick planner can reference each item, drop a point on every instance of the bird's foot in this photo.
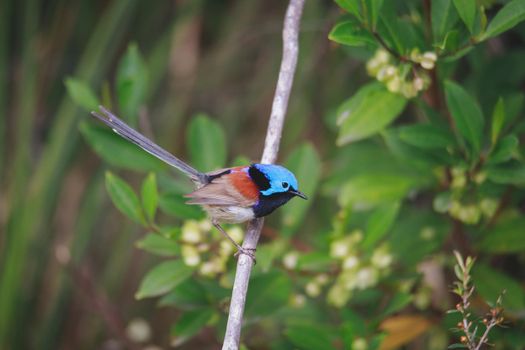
(246, 251)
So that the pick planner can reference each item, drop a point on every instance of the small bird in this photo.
(230, 195)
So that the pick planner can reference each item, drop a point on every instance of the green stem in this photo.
(26, 96)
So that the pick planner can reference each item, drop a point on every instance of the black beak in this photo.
(298, 194)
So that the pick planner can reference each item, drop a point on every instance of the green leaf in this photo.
(450, 42)
(426, 136)
(505, 150)
(124, 198)
(373, 189)
(206, 143)
(305, 163)
(163, 278)
(132, 83)
(309, 337)
(351, 34)
(466, 113)
(380, 222)
(505, 237)
(498, 120)
(314, 261)
(188, 295)
(369, 111)
(267, 294)
(117, 151)
(510, 15)
(398, 301)
(189, 324)
(351, 6)
(374, 7)
(81, 94)
(150, 196)
(175, 205)
(467, 12)
(491, 283)
(398, 32)
(443, 18)
(507, 174)
(158, 245)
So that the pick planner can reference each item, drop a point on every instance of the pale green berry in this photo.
(191, 232)
(381, 258)
(459, 177)
(407, 89)
(339, 248)
(313, 289)
(469, 214)
(290, 260)
(366, 277)
(359, 344)
(350, 262)
(190, 255)
(207, 269)
(356, 236)
(236, 233)
(205, 225)
(138, 330)
(386, 73)
(394, 84)
(338, 296)
(322, 279)
(297, 300)
(480, 177)
(488, 206)
(428, 60)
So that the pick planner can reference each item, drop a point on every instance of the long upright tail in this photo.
(149, 146)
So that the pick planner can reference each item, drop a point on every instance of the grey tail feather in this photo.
(149, 146)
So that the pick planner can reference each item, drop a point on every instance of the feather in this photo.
(231, 189)
(149, 146)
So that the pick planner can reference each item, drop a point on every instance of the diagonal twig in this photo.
(271, 148)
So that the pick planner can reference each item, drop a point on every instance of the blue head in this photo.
(274, 179)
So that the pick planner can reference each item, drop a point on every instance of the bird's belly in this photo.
(229, 214)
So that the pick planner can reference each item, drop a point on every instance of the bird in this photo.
(230, 195)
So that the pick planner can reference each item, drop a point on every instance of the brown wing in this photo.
(220, 191)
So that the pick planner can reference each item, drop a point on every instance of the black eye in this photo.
(285, 184)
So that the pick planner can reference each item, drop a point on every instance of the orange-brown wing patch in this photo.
(242, 182)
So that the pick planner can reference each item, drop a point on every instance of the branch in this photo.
(271, 148)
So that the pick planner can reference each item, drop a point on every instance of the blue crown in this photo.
(280, 178)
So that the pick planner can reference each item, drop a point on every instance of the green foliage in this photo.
(132, 83)
(150, 196)
(424, 155)
(467, 115)
(304, 162)
(117, 151)
(163, 278)
(206, 143)
(81, 94)
(510, 15)
(371, 101)
(467, 12)
(124, 198)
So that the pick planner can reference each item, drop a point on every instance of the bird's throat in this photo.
(267, 204)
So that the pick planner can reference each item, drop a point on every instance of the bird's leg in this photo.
(240, 250)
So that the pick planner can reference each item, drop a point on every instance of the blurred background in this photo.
(371, 249)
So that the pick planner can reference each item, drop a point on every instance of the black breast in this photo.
(268, 204)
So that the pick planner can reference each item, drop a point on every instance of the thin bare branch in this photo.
(271, 149)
